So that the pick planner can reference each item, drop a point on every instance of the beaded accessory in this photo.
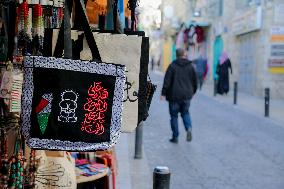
(32, 169)
(23, 17)
(38, 26)
(12, 171)
(5, 165)
(24, 36)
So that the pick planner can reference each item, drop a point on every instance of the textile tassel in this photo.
(24, 17)
(55, 18)
(38, 26)
(24, 31)
(60, 16)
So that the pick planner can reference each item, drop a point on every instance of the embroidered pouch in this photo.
(71, 105)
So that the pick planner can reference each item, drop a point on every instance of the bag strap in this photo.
(67, 30)
(87, 31)
(65, 25)
(149, 78)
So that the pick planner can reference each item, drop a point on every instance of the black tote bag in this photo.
(71, 105)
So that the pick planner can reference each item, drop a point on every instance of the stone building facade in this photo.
(252, 33)
(174, 13)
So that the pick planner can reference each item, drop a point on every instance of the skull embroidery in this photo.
(68, 106)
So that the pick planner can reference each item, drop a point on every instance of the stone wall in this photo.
(260, 40)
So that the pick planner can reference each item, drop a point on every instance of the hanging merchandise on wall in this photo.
(24, 28)
(95, 9)
(11, 80)
(15, 172)
(3, 41)
(38, 29)
(32, 18)
(6, 84)
(200, 34)
(16, 91)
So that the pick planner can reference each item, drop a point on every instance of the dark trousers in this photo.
(181, 107)
(200, 81)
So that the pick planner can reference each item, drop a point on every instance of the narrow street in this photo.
(231, 148)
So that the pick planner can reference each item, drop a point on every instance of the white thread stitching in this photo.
(68, 106)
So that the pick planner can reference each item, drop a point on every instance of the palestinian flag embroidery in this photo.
(43, 110)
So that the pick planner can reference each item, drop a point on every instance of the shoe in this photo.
(189, 136)
(174, 140)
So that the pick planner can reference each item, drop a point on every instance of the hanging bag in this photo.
(126, 50)
(151, 88)
(131, 50)
(72, 105)
(55, 170)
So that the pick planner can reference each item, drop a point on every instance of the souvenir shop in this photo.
(74, 75)
(192, 37)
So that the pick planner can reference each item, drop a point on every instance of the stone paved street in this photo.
(231, 148)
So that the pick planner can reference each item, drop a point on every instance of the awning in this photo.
(202, 24)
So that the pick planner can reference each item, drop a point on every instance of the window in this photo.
(241, 4)
(215, 8)
(221, 6)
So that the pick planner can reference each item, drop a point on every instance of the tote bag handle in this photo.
(87, 31)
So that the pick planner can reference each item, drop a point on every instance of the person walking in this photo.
(152, 63)
(180, 84)
(223, 67)
(201, 70)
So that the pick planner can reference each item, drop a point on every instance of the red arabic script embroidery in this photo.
(96, 106)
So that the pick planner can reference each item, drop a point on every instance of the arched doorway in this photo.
(218, 49)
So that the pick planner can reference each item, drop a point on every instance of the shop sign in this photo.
(249, 21)
(276, 63)
(277, 34)
(279, 13)
(277, 50)
(277, 30)
(276, 66)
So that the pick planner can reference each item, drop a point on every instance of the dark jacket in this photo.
(180, 81)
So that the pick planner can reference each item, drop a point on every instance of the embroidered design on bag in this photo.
(128, 87)
(31, 62)
(96, 106)
(52, 174)
(43, 110)
(68, 106)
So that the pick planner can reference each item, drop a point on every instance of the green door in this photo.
(218, 49)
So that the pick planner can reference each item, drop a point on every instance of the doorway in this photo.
(218, 49)
(247, 63)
